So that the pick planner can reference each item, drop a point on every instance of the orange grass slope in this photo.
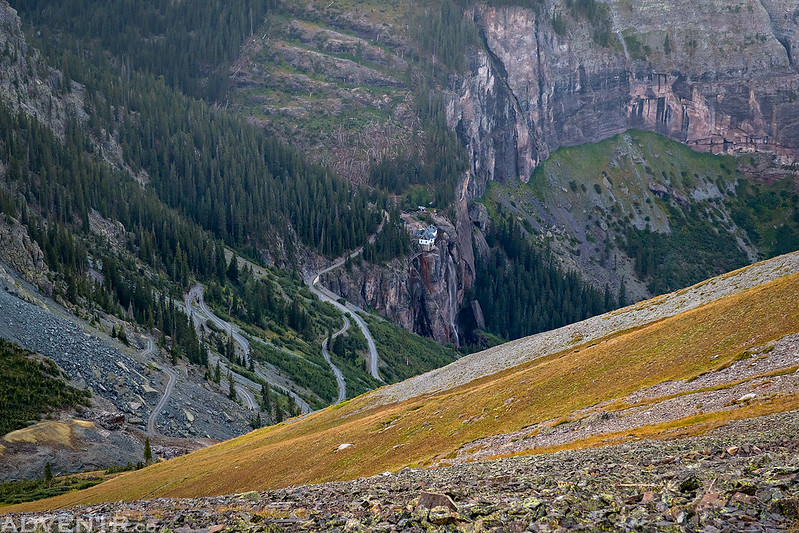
(419, 430)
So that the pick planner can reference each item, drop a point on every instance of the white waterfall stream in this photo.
(452, 289)
(623, 44)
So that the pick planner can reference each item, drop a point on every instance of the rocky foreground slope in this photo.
(739, 478)
(730, 356)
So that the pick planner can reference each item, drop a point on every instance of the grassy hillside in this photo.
(426, 429)
(650, 211)
(406, 354)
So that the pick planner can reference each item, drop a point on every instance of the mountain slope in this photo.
(434, 102)
(647, 210)
(548, 378)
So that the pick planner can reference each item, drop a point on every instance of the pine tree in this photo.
(233, 269)
(231, 387)
(148, 452)
(266, 397)
(48, 474)
(230, 349)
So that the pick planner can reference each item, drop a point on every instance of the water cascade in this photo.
(452, 289)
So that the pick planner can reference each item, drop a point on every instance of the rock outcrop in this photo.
(422, 294)
(717, 77)
(18, 251)
(27, 84)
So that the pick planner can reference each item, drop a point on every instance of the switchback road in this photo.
(196, 306)
(342, 385)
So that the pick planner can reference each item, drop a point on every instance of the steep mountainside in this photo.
(717, 77)
(678, 365)
(651, 213)
(429, 104)
(633, 216)
(113, 186)
(334, 83)
(82, 219)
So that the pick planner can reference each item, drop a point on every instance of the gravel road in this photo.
(327, 296)
(148, 353)
(195, 296)
(97, 362)
(247, 397)
(342, 385)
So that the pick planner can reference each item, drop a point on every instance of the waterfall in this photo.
(618, 32)
(623, 44)
(452, 289)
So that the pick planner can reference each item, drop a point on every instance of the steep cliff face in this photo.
(715, 75)
(23, 255)
(423, 293)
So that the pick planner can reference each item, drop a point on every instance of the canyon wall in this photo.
(717, 76)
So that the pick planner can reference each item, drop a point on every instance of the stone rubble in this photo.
(125, 387)
(758, 369)
(743, 477)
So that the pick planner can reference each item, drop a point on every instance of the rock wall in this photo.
(423, 294)
(717, 76)
(28, 84)
(23, 255)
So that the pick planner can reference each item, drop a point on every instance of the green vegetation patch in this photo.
(693, 249)
(683, 216)
(405, 354)
(769, 213)
(349, 352)
(22, 491)
(30, 388)
(317, 378)
(521, 292)
(208, 34)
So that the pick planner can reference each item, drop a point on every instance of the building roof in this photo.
(429, 233)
